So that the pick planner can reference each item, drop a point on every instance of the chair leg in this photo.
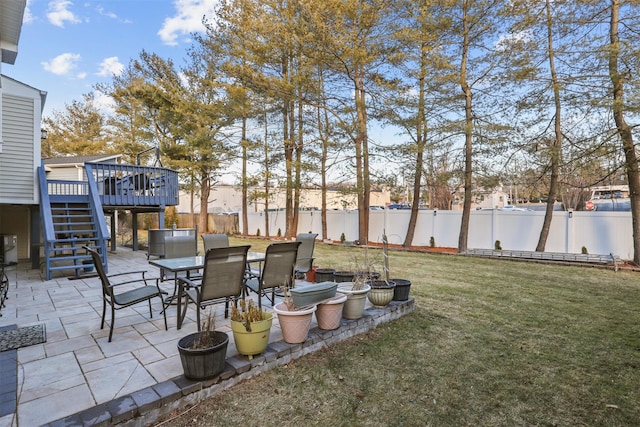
(164, 312)
(183, 314)
(150, 311)
(104, 312)
(197, 315)
(113, 320)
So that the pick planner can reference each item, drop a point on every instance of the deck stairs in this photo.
(71, 217)
(74, 227)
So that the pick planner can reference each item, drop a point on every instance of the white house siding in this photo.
(228, 198)
(70, 173)
(17, 160)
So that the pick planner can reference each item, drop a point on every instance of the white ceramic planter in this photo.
(356, 299)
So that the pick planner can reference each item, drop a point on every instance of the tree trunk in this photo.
(556, 147)
(362, 159)
(324, 135)
(468, 134)
(420, 144)
(625, 132)
(205, 190)
(267, 176)
(244, 142)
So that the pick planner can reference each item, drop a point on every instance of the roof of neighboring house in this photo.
(11, 15)
(80, 160)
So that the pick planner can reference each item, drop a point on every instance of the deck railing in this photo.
(131, 185)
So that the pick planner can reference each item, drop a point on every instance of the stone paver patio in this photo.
(78, 378)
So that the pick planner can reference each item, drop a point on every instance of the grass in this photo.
(491, 343)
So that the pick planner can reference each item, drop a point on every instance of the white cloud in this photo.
(103, 102)
(110, 67)
(59, 13)
(62, 64)
(103, 12)
(510, 39)
(187, 20)
(28, 17)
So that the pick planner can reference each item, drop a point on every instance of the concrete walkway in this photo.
(78, 378)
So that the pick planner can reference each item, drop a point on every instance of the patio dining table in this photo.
(192, 264)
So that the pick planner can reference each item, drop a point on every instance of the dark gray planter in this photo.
(206, 363)
(401, 291)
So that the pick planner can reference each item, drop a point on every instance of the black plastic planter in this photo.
(401, 291)
(324, 275)
(206, 363)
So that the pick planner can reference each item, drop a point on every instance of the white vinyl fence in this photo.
(600, 232)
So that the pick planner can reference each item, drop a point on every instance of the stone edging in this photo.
(145, 406)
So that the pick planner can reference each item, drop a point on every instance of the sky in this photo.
(67, 46)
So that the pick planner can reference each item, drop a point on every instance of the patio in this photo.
(78, 378)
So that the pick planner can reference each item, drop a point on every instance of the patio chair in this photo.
(126, 298)
(222, 280)
(277, 270)
(179, 247)
(304, 260)
(211, 241)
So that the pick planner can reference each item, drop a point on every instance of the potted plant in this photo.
(356, 293)
(251, 328)
(329, 312)
(402, 286)
(401, 291)
(381, 292)
(203, 353)
(294, 321)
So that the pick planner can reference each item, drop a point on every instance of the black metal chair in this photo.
(277, 270)
(126, 298)
(222, 280)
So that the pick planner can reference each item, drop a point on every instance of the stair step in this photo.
(76, 233)
(78, 240)
(73, 224)
(69, 258)
(66, 267)
(72, 248)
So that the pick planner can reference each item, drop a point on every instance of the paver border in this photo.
(152, 403)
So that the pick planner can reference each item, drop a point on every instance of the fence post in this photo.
(569, 230)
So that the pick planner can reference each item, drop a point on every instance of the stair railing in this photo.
(46, 219)
(98, 214)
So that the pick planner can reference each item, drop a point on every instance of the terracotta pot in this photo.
(294, 324)
(329, 313)
(251, 343)
(356, 299)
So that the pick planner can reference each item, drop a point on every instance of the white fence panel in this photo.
(481, 229)
(601, 232)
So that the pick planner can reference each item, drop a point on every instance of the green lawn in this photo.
(491, 343)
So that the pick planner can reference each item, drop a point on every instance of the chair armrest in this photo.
(143, 278)
(127, 273)
(188, 282)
